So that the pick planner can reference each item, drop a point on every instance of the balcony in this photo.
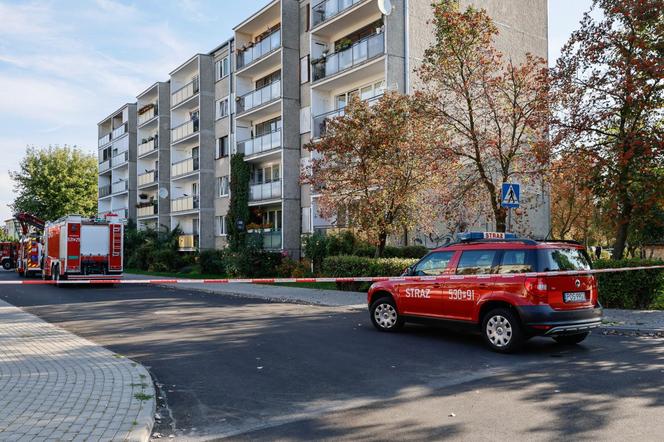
(122, 213)
(265, 191)
(148, 146)
(269, 240)
(119, 131)
(184, 130)
(184, 204)
(259, 50)
(259, 97)
(105, 139)
(356, 54)
(263, 143)
(149, 112)
(120, 159)
(148, 178)
(119, 186)
(104, 166)
(185, 92)
(185, 167)
(320, 121)
(328, 9)
(187, 242)
(104, 191)
(147, 210)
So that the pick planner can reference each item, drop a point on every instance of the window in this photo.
(563, 259)
(272, 219)
(222, 108)
(516, 261)
(267, 127)
(220, 225)
(433, 264)
(222, 68)
(268, 79)
(476, 262)
(222, 186)
(222, 147)
(304, 69)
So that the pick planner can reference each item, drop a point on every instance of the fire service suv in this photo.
(8, 254)
(77, 248)
(496, 283)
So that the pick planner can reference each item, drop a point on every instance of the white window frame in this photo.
(217, 148)
(223, 186)
(222, 68)
(220, 225)
(223, 107)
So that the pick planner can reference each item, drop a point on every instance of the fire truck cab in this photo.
(77, 248)
(29, 255)
(8, 254)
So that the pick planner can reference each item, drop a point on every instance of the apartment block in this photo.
(270, 89)
(117, 163)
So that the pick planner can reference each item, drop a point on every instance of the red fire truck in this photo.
(77, 248)
(8, 254)
(30, 246)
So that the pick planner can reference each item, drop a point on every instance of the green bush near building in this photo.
(345, 266)
(634, 289)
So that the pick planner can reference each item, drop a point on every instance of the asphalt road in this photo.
(254, 370)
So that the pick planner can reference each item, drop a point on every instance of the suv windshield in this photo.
(551, 260)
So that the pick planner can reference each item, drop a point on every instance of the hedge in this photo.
(634, 289)
(344, 266)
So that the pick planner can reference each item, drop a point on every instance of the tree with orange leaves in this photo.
(377, 164)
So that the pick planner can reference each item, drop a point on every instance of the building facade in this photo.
(268, 91)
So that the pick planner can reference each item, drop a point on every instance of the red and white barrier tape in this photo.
(310, 280)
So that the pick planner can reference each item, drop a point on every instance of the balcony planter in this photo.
(344, 43)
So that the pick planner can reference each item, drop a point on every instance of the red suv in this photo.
(495, 282)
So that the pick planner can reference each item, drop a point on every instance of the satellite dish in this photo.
(385, 6)
(163, 193)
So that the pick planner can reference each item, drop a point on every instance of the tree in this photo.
(377, 165)
(609, 97)
(493, 114)
(56, 181)
(239, 203)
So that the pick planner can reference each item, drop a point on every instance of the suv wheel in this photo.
(571, 339)
(384, 315)
(501, 331)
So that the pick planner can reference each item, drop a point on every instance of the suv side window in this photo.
(517, 261)
(476, 262)
(433, 264)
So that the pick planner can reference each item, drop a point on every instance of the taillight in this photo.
(537, 287)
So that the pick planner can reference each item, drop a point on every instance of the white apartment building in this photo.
(268, 91)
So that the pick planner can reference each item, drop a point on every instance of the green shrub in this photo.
(315, 249)
(213, 262)
(345, 266)
(414, 252)
(637, 289)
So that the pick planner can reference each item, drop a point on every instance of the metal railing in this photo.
(122, 213)
(265, 191)
(270, 240)
(185, 203)
(120, 158)
(186, 242)
(259, 97)
(147, 178)
(104, 191)
(261, 143)
(148, 115)
(119, 186)
(185, 166)
(104, 166)
(185, 92)
(119, 131)
(105, 139)
(354, 55)
(148, 210)
(259, 50)
(184, 130)
(148, 146)
(327, 9)
(321, 121)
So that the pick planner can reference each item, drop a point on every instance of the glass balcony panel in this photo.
(119, 131)
(261, 144)
(327, 9)
(270, 240)
(260, 49)
(265, 191)
(358, 53)
(119, 159)
(147, 178)
(259, 96)
(105, 139)
(185, 203)
(147, 115)
(147, 147)
(104, 190)
(148, 210)
(185, 166)
(184, 130)
(119, 186)
(184, 93)
(105, 165)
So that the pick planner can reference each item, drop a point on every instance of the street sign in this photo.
(511, 195)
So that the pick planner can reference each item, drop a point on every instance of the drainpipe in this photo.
(407, 46)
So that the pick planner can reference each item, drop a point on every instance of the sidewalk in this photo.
(649, 322)
(57, 386)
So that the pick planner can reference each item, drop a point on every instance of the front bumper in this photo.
(544, 321)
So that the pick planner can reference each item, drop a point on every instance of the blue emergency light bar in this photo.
(474, 236)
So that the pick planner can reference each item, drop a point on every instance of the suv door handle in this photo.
(483, 284)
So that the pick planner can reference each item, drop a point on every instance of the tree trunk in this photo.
(623, 230)
(382, 240)
(500, 214)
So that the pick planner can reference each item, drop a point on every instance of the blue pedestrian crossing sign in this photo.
(510, 196)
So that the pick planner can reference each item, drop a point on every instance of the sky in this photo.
(65, 65)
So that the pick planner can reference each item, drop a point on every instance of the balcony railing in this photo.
(321, 121)
(104, 166)
(184, 130)
(147, 115)
(119, 186)
(259, 97)
(188, 242)
(260, 144)
(148, 146)
(327, 9)
(105, 139)
(185, 203)
(147, 178)
(270, 240)
(356, 54)
(185, 166)
(148, 210)
(120, 158)
(119, 131)
(264, 47)
(122, 213)
(265, 191)
(104, 191)
(185, 92)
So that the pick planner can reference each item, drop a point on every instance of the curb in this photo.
(632, 331)
(142, 431)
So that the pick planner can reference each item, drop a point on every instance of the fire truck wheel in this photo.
(7, 265)
(55, 274)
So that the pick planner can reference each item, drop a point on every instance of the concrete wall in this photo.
(164, 108)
